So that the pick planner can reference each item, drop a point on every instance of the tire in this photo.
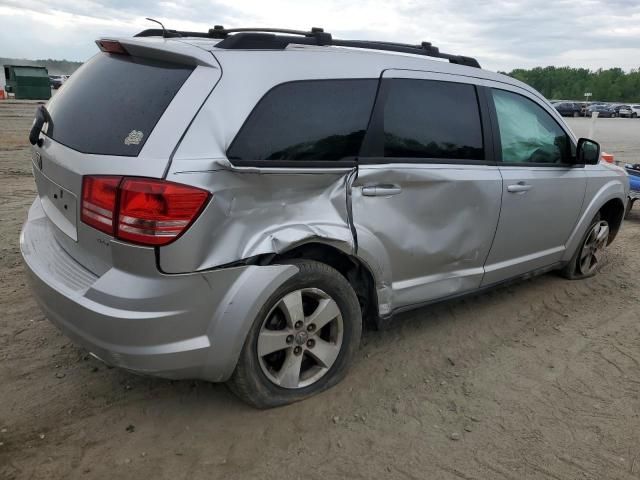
(576, 114)
(285, 376)
(634, 115)
(585, 264)
(628, 208)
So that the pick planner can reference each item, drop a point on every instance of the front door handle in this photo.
(381, 190)
(519, 187)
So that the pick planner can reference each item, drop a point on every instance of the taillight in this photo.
(155, 212)
(140, 210)
(99, 201)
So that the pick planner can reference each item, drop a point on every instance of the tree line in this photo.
(566, 83)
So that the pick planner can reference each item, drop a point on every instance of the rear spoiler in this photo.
(174, 51)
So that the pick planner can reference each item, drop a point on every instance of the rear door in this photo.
(427, 197)
(543, 191)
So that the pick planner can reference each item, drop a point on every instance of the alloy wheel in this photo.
(593, 248)
(300, 338)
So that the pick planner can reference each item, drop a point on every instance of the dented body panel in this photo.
(256, 213)
(431, 240)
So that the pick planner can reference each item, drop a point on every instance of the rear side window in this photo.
(307, 121)
(432, 119)
(112, 103)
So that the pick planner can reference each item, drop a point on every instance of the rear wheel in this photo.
(302, 341)
(588, 258)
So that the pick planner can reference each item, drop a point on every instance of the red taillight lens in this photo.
(149, 211)
(99, 195)
(155, 212)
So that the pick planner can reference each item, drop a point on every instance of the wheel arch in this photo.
(613, 212)
(354, 269)
(609, 202)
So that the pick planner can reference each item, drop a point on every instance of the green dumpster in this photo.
(27, 82)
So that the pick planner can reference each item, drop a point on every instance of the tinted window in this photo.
(309, 120)
(113, 102)
(527, 132)
(432, 119)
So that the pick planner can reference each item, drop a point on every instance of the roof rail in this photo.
(279, 39)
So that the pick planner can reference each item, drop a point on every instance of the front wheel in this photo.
(628, 208)
(303, 339)
(634, 115)
(587, 259)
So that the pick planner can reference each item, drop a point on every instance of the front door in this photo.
(427, 195)
(542, 191)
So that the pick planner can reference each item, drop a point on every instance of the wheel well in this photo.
(613, 212)
(351, 267)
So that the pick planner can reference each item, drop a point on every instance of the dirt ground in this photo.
(540, 379)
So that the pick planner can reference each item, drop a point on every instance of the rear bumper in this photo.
(134, 317)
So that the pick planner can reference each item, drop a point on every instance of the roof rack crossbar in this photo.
(279, 39)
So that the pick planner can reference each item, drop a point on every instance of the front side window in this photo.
(432, 119)
(307, 120)
(528, 134)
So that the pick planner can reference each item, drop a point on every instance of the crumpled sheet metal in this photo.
(254, 213)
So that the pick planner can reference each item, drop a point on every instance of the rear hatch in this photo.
(122, 114)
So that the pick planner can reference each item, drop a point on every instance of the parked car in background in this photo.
(633, 170)
(224, 225)
(56, 81)
(567, 109)
(635, 111)
(624, 110)
(604, 111)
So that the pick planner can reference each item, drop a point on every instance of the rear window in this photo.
(111, 105)
(309, 120)
(432, 119)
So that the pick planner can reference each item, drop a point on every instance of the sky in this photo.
(502, 35)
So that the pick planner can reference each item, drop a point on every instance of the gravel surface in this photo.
(540, 379)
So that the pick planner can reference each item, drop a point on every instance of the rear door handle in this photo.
(519, 187)
(381, 190)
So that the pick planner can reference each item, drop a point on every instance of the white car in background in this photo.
(635, 111)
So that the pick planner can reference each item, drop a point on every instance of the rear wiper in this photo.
(42, 117)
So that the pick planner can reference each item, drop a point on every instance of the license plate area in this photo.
(58, 203)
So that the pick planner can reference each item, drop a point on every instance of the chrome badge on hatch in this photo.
(134, 137)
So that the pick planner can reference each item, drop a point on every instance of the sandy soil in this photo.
(537, 380)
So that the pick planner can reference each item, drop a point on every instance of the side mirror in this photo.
(587, 152)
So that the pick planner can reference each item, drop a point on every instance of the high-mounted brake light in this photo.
(146, 211)
(111, 46)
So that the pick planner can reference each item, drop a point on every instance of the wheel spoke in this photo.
(325, 353)
(289, 374)
(602, 234)
(291, 306)
(586, 251)
(327, 310)
(270, 341)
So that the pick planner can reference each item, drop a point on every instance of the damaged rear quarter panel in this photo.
(260, 212)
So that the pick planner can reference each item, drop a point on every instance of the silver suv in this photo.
(234, 205)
